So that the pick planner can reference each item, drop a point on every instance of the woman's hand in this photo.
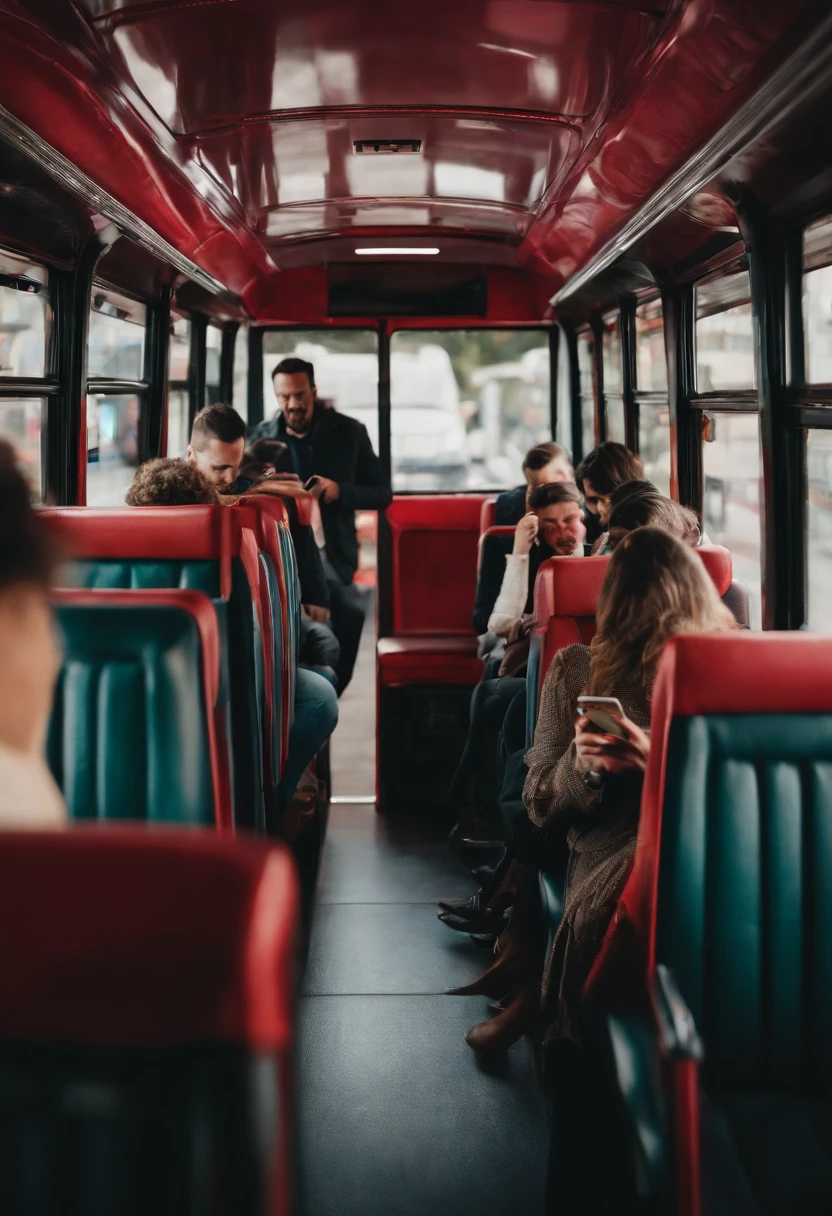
(609, 754)
(524, 534)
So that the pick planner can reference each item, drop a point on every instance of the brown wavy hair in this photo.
(637, 504)
(29, 552)
(655, 589)
(163, 482)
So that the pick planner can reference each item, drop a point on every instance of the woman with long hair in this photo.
(587, 786)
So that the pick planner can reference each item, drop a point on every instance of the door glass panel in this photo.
(213, 353)
(819, 530)
(651, 361)
(724, 335)
(240, 392)
(116, 339)
(654, 443)
(611, 355)
(616, 428)
(817, 301)
(466, 406)
(112, 448)
(178, 428)
(564, 398)
(588, 424)
(586, 363)
(179, 351)
(24, 317)
(734, 497)
(21, 425)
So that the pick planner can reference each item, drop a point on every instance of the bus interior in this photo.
(487, 225)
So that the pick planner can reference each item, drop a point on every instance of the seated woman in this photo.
(638, 504)
(552, 528)
(165, 482)
(605, 468)
(29, 658)
(585, 786)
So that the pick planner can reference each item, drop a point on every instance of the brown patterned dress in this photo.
(600, 828)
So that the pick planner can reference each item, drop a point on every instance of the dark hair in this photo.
(544, 453)
(28, 554)
(295, 367)
(638, 504)
(170, 483)
(270, 451)
(553, 493)
(217, 422)
(609, 465)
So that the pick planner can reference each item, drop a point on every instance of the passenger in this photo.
(655, 589)
(30, 657)
(606, 467)
(166, 482)
(215, 453)
(553, 527)
(638, 504)
(332, 454)
(544, 463)
(265, 458)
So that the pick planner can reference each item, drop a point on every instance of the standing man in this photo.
(334, 459)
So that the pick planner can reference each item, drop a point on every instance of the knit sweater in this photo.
(600, 827)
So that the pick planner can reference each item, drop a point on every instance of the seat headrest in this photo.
(568, 586)
(717, 561)
(746, 672)
(487, 514)
(196, 533)
(145, 938)
(435, 513)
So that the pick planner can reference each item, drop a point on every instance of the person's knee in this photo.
(316, 705)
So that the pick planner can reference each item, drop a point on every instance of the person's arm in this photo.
(489, 581)
(556, 788)
(313, 586)
(370, 491)
(514, 591)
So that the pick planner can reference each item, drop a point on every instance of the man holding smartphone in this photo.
(333, 458)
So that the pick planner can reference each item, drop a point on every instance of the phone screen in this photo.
(307, 485)
(600, 711)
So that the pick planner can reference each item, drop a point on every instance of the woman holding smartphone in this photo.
(586, 786)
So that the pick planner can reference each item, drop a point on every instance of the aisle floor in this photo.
(397, 1117)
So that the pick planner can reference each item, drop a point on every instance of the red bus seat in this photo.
(433, 645)
(488, 514)
(721, 922)
(147, 978)
(213, 550)
(138, 728)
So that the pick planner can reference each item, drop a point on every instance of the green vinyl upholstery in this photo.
(129, 735)
(745, 891)
(137, 573)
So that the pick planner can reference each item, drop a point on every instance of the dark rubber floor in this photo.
(397, 1116)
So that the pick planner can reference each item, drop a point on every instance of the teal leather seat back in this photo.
(737, 812)
(129, 735)
(136, 574)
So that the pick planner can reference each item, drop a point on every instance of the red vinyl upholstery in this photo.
(429, 660)
(305, 504)
(201, 610)
(434, 562)
(488, 514)
(566, 597)
(141, 938)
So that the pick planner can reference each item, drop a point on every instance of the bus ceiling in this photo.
(254, 146)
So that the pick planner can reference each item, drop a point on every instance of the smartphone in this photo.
(599, 711)
(307, 485)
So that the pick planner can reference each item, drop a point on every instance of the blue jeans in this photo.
(316, 716)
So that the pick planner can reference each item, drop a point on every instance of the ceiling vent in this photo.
(386, 147)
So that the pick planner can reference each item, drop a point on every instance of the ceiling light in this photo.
(384, 250)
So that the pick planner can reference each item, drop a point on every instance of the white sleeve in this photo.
(514, 591)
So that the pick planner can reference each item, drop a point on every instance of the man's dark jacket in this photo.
(341, 451)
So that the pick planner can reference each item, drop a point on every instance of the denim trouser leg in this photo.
(316, 716)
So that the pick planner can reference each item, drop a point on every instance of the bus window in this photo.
(724, 335)
(733, 500)
(213, 352)
(116, 340)
(179, 359)
(586, 379)
(817, 301)
(651, 361)
(240, 387)
(611, 357)
(654, 443)
(21, 424)
(112, 447)
(819, 530)
(466, 406)
(24, 313)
